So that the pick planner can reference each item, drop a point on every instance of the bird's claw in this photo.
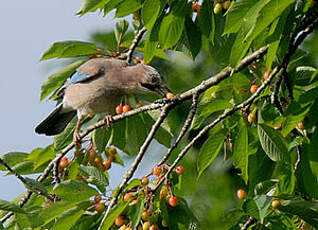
(108, 119)
(76, 139)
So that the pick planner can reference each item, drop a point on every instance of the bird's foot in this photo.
(108, 119)
(76, 139)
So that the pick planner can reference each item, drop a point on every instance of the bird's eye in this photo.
(154, 79)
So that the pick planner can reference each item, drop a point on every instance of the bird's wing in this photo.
(95, 67)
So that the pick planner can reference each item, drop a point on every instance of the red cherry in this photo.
(156, 171)
(179, 170)
(126, 108)
(173, 201)
(97, 198)
(253, 88)
(144, 180)
(278, 127)
(119, 109)
(241, 194)
(100, 207)
(107, 164)
(120, 220)
(266, 75)
(128, 196)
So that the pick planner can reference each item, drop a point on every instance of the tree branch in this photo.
(134, 43)
(138, 159)
(184, 129)
(26, 182)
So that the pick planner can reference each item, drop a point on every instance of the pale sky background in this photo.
(28, 28)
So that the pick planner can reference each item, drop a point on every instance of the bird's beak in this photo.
(162, 90)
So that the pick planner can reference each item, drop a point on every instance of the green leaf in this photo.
(74, 191)
(91, 6)
(272, 143)
(278, 25)
(128, 7)
(172, 25)
(116, 211)
(207, 109)
(68, 49)
(63, 139)
(237, 15)
(94, 176)
(240, 151)
(57, 80)
(13, 158)
(209, 151)
(150, 12)
(287, 178)
(258, 206)
(51, 212)
(135, 136)
(8, 206)
(240, 45)
(264, 187)
(135, 212)
(152, 41)
(191, 39)
(206, 21)
(36, 186)
(44, 156)
(69, 218)
(120, 30)
(306, 210)
(100, 138)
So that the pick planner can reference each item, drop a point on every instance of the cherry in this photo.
(134, 202)
(143, 62)
(169, 95)
(226, 5)
(153, 227)
(100, 207)
(119, 109)
(196, 7)
(145, 215)
(266, 75)
(97, 198)
(64, 162)
(144, 180)
(119, 221)
(112, 151)
(173, 201)
(217, 8)
(179, 170)
(156, 171)
(278, 127)
(253, 88)
(251, 117)
(107, 164)
(300, 125)
(275, 203)
(126, 108)
(128, 196)
(146, 225)
(241, 194)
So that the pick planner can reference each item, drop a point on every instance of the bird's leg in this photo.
(108, 119)
(76, 136)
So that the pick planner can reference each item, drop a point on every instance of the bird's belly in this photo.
(89, 98)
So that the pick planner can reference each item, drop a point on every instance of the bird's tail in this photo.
(56, 122)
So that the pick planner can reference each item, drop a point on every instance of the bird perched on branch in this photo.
(98, 86)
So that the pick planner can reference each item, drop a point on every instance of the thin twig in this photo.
(251, 220)
(138, 159)
(134, 43)
(184, 129)
(26, 182)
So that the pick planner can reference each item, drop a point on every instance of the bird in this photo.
(98, 86)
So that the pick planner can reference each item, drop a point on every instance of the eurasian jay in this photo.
(98, 86)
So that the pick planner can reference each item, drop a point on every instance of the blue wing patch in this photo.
(77, 77)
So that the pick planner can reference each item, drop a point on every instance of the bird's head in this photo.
(151, 81)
